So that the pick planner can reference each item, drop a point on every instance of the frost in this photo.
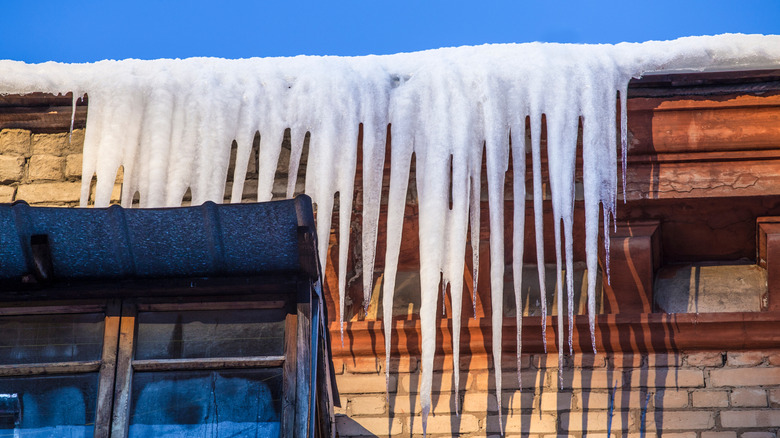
(171, 123)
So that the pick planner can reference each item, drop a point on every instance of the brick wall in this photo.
(696, 395)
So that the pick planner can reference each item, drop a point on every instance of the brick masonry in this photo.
(699, 394)
(696, 395)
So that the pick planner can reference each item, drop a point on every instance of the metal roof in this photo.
(113, 243)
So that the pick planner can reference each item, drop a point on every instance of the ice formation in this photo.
(170, 124)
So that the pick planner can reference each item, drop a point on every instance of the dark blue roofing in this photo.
(202, 241)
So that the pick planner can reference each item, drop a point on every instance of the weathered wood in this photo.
(635, 255)
(303, 363)
(26, 309)
(124, 372)
(184, 306)
(105, 398)
(289, 375)
(208, 363)
(769, 258)
(36, 369)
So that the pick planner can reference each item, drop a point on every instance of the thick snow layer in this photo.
(171, 123)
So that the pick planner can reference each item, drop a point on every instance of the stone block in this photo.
(7, 193)
(60, 144)
(73, 165)
(46, 168)
(15, 142)
(11, 168)
(49, 193)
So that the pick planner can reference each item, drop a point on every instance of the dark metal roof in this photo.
(117, 243)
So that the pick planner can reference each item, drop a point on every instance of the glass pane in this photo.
(212, 333)
(235, 403)
(51, 338)
(48, 406)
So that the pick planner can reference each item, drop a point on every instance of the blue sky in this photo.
(86, 31)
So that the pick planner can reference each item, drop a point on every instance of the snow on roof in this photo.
(170, 123)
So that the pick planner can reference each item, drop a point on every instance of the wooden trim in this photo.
(36, 369)
(289, 375)
(105, 399)
(625, 333)
(31, 309)
(303, 361)
(124, 372)
(244, 305)
(207, 363)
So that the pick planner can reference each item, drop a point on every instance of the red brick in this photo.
(773, 358)
(754, 419)
(710, 399)
(748, 398)
(749, 358)
(705, 359)
(745, 376)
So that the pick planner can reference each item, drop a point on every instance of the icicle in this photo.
(536, 160)
(76, 96)
(518, 232)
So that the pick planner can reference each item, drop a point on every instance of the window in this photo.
(140, 367)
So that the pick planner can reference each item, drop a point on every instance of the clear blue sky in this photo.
(85, 31)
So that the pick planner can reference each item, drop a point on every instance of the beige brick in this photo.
(532, 423)
(368, 405)
(479, 402)
(596, 379)
(15, 142)
(774, 397)
(718, 435)
(664, 378)
(361, 426)
(705, 359)
(449, 424)
(7, 193)
(749, 358)
(625, 360)
(671, 360)
(54, 192)
(748, 398)
(442, 381)
(680, 420)
(671, 398)
(710, 399)
(758, 435)
(11, 168)
(362, 365)
(531, 379)
(76, 144)
(406, 364)
(589, 360)
(670, 435)
(594, 421)
(56, 144)
(46, 168)
(555, 401)
(73, 165)
(624, 399)
(338, 365)
(442, 403)
(745, 376)
(364, 384)
(756, 418)
(773, 357)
